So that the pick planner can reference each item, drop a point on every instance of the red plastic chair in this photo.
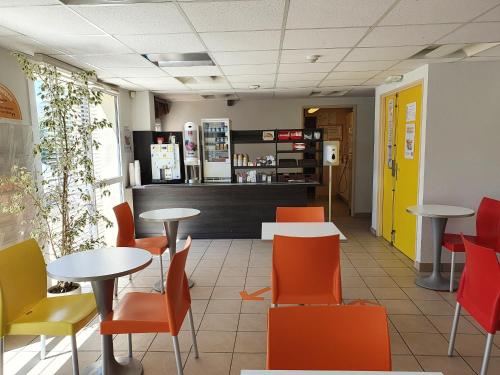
(126, 238)
(152, 312)
(487, 232)
(300, 214)
(306, 270)
(349, 338)
(479, 294)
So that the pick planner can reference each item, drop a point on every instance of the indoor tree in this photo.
(61, 192)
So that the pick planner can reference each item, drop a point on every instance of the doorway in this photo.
(401, 152)
(338, 125)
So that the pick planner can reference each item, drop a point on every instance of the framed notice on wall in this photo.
(410, 141)
(9, 107)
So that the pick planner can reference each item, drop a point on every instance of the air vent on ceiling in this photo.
(452, 50)
(328, 93)
(164, 60)
(108, 2)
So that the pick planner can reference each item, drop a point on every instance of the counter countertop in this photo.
(203, 184)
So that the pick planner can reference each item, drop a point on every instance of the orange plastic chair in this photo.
(306, 270)
(345, 338)
(300, 214)
(151, 312)
(126, 238)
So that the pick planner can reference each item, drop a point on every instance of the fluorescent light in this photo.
(444, 50)
(312, 110)
(474, 49)
(180, 59)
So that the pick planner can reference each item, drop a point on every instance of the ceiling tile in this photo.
(474, 33)
(431, 11)
(357, 66)
(235, 15)
(306, 67)
(325, 54)
(352, 75)
(263, 85)
(242, 40)
(410, 35)
(492, 15)
(335, 13)
(482, 58)
(163, 43)
(322, 38)
(117, 61)
(24, 44)
(252, 78)
(382, 53)
(342, 82)
(209, 86)
(249, 69)
(495, 51)
(132, 72)
(38, 20)
(255, 94)
(84, 44)
(17, 3)
(4, 31)
(375, 81)
(156, 83)
(301, 76)
(411, 64)
(123, 84)
(77, 62)
(296, 84)
(293, 93)
(247, 57)
(193, 71)
(141, 18)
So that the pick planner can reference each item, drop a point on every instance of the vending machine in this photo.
(216, 150)
(165, 163)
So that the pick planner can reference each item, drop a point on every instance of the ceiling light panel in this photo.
(357, 66)
(474, 33)
(193, 71)
(246, 57)
(335, 13)
(306, 67)
(249, 69)
(37, 20)
(382, 53)
(84, 44)
(162, 43)
(432, 11)
(235, 15)
(242, 40)
(117, 61)
(325, 54)
(409, 35)
(492, 52)
(322, 38)
(141, 18)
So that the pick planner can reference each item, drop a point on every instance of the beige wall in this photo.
(287, 113)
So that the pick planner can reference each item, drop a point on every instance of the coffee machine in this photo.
(192, 163)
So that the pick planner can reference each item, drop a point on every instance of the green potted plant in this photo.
(59, 195)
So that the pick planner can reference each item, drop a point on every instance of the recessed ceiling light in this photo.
(392, 79)
(254, 87)
(312, 110)
(312, 58)
(180, 59)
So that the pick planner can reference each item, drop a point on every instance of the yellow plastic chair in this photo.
(24, 306)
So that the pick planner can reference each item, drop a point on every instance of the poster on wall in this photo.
(390, 125)
(411, 112)
(9, 107)
(410, 141)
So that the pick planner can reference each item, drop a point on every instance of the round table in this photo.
(439, 215)
(101, 267)
(170, 218)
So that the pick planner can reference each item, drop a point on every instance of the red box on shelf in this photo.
(283, 135)
(296, 134)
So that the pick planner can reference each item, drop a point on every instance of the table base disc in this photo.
(157, 285)
(435, 283)
(125, 366)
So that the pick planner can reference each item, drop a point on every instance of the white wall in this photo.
(287, 113)
(142, 110)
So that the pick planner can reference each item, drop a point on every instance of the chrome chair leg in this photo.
(130, 345)
(452, 271)
(178, 358)
(42, 347)
(162, 288)
(487, 353)
(74, 355)
(193, 334)
(454, 328)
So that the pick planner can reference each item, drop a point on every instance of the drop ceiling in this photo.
(252, 42)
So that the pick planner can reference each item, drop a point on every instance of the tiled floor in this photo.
(232, 333)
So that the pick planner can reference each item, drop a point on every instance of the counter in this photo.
(228, 210)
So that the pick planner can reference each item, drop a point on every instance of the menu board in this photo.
(9, 107)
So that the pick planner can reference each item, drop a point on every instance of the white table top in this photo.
(305, 372)
(169, 214)
(100, 264)
(300, 230)
(440, 210)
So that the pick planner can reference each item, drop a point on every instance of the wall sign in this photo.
(9, 107)
(410, 141)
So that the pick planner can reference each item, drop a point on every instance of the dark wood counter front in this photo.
(227, 210)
